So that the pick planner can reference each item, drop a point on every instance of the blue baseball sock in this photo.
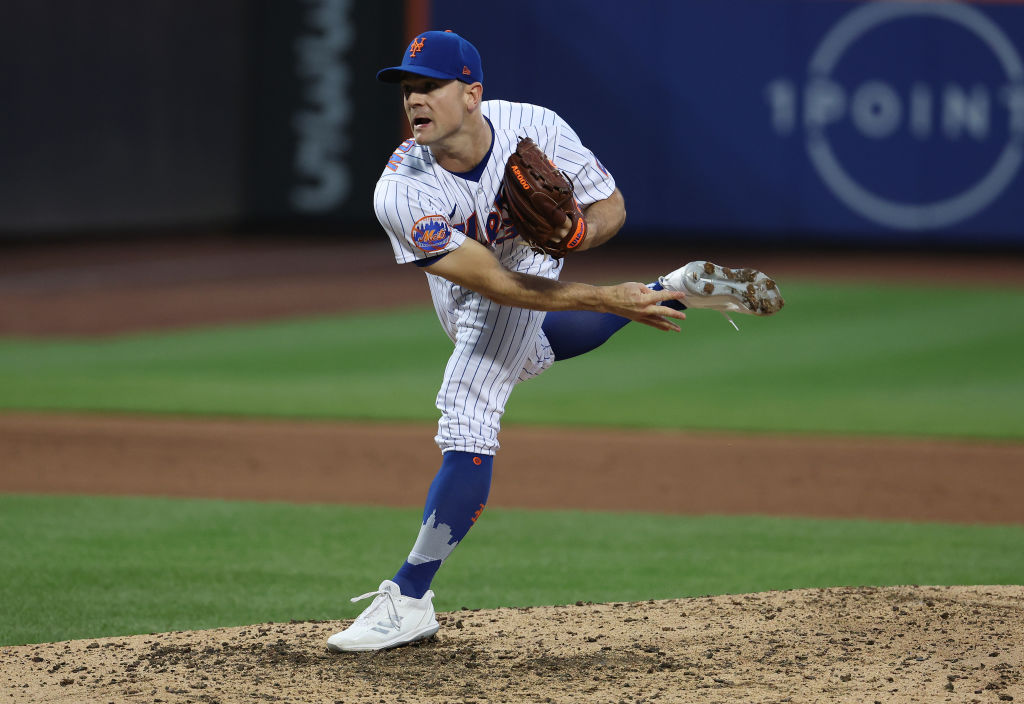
(574, 332)
(456, 498)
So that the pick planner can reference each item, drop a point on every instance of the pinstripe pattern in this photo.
(495, 346)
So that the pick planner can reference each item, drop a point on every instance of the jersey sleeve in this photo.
(415, 222)
(593, 182)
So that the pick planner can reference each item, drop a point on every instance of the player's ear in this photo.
(473, 93)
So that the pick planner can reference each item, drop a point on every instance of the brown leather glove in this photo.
(539, 198)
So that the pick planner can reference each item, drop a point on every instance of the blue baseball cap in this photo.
(438, 55)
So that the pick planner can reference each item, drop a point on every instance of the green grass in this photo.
(362, 366)
(79, 567)
(838, 359)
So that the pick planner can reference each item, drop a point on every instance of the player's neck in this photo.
(465, 149)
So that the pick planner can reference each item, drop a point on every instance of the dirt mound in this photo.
(891, 644)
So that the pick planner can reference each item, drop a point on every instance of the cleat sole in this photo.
(726, 289)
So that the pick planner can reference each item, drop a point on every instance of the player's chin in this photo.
(423, 134)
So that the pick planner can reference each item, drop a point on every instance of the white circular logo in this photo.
(876, 110)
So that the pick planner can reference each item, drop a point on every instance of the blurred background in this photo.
(783, 123)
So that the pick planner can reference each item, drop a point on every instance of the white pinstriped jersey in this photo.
(428, 211)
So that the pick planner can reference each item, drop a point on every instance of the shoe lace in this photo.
(383, 599)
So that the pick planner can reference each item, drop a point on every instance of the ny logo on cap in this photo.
(416, 46)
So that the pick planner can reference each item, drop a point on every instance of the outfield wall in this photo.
(885, 122)
(777, 121)
(136, 116)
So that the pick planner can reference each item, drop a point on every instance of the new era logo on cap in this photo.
(438, 55)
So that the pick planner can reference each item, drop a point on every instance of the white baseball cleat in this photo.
(723, 289)
(389, 621)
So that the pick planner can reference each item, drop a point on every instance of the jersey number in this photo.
(492, 229)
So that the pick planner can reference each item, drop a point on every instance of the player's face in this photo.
(436, 108)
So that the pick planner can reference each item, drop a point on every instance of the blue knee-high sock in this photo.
(456, 498)
(574, 332)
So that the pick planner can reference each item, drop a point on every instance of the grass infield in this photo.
(82, 567)
(838, 359)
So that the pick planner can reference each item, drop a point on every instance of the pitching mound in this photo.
(892, 644)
